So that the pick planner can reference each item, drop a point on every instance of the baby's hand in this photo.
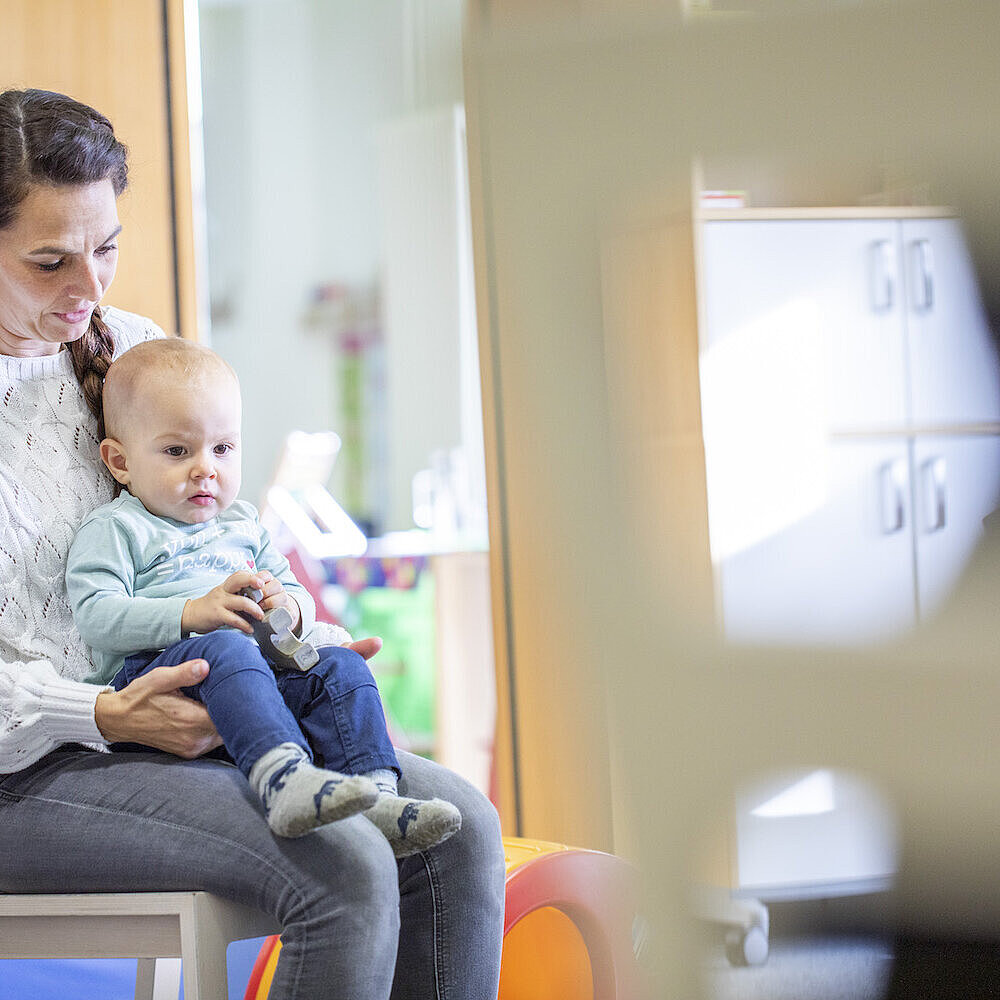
(275, 596)
(225, 606)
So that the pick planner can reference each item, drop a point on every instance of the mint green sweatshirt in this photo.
(130, 573)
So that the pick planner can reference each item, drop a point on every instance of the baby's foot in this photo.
(298, 797)
(412, 825)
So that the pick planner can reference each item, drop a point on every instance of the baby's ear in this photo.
(113, 456)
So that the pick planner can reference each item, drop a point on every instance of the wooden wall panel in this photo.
(538, 395)
(111, 54)
(651, 357)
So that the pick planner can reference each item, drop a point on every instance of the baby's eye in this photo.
(174, 451)
(223, 449)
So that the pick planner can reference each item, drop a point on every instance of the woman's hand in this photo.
(153, 711)
(225, 606)
(366, 647)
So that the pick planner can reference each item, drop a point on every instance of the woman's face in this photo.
(57, 260)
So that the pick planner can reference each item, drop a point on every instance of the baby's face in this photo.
(183, 447)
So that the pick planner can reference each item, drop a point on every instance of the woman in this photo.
(355, 922)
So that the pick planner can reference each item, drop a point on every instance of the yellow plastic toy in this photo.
(571, 930)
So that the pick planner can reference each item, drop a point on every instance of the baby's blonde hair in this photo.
(171, 359)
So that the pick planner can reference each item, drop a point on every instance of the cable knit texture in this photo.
(51, 477)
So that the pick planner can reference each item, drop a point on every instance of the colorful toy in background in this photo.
(355, 574)
(571, 929)
(393, 597)
(405, 669)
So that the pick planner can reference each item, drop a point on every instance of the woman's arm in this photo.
(153, 711)
(39, 710)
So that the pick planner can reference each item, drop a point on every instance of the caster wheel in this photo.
(746, 948)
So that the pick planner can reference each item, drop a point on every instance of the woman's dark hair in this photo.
(48, 138)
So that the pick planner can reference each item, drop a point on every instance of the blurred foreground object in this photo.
(583, 123)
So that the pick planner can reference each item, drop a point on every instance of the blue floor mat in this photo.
(105, 979)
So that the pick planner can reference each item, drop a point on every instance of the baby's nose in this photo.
(203, 469)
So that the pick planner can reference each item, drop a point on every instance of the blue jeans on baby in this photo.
(333, 711)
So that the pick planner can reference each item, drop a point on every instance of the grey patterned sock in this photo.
(410, 825)
(298, 797)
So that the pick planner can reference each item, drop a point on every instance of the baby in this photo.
(157, 577)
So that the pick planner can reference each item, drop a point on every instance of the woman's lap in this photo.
(91, 822)
(83, 821)
(87, 821)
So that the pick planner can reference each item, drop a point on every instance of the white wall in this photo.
(293, 93)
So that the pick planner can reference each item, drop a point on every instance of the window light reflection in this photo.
(812, 796)
(765, 470)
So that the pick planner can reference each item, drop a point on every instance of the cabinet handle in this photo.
(893, 490)
(883, 274)
(923, 275)
(933, 475)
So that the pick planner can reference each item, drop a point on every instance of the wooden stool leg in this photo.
(203, 954)
(145, 977)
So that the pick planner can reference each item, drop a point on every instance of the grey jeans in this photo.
(357, 924)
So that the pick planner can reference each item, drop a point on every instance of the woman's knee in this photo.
(371, 869)
(479, 841)
(352, 870)
(481, 837)
(479, 815)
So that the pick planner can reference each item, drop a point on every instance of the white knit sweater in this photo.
(51, 477)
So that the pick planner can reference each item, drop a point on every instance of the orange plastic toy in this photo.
(571, 930)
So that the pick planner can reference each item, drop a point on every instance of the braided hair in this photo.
(92, 355)
(48, 138)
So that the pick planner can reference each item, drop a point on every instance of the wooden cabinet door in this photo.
(126, 58)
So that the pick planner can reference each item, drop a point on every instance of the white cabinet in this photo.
(883, 315)
(850, 395)
(850, 407)
(814, 833)
(882, 542)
